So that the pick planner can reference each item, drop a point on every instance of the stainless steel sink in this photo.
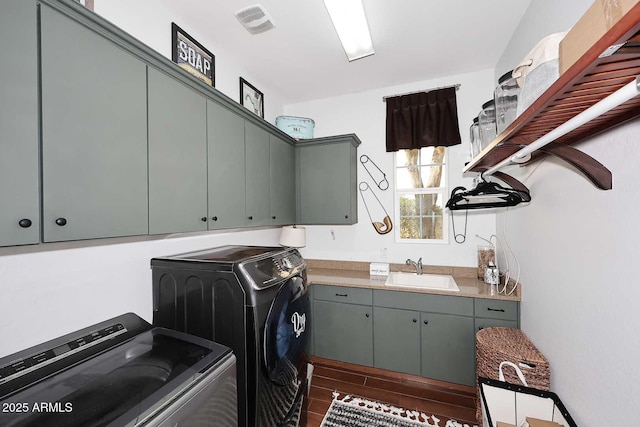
(439, 282)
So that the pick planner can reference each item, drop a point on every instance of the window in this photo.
(421, 193)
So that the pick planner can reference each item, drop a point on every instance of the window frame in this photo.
(442, 191)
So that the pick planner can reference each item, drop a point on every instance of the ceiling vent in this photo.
(255, 19)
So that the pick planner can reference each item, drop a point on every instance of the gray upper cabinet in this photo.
(177, 156)
(19, 196)
(226, 154)
(327, 180)
(94, 134)
(282, 181)
(256, 142)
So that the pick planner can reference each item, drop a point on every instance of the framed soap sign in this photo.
(192, 56)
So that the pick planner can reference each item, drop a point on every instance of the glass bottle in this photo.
(487, 122)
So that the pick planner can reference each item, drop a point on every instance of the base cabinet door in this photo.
(396, 340)
(448, 348)
(94, 134)
(177, 156)
(19, 197)
(343, 332)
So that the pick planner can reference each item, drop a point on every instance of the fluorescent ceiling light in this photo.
(352, 28)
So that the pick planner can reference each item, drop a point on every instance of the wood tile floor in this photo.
(444, 400)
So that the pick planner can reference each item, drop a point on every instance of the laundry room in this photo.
(236, 161)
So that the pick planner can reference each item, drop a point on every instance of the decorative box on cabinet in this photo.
(94, 133)
(327, 180)
(19, 194)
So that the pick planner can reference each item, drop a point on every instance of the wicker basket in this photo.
(495, 345)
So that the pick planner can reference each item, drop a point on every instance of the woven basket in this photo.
(496, 345)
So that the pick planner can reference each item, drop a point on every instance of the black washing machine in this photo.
(254, 300)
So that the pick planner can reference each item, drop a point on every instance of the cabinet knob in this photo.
(251, 218)
(367, 315)
(25, 223)
(346, 216)
(273, 217)
(215, 218)
(203, 219)
(61, 222)
(426, 322)
(415, 320)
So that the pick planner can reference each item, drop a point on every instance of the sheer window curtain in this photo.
(426, 119)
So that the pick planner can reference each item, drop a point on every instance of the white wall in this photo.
(578, 247)
(53, 289)
(364, 114)
(150, 23)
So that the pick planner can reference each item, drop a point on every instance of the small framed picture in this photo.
(251, 97)
(192, 56)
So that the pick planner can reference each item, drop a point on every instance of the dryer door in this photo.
(285, 333)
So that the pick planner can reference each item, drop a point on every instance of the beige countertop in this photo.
(356, 274)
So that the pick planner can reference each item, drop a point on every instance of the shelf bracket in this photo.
(595, 171)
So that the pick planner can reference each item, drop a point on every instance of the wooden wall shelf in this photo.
(586, 82)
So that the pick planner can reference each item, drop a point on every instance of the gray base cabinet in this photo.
(396, 340)
(343, 332)
(94, 134)
(177, 156)
(327, 180)
(416, 333)
(19, 181)
(448, 348)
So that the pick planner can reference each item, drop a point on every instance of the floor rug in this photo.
(356, 411)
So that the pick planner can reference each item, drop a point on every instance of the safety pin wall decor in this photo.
(381, 227)
(381, 178)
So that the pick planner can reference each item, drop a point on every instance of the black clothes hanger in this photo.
(487, 194)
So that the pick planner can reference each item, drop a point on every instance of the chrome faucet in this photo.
(417, 265)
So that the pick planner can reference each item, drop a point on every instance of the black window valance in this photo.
(423, 119)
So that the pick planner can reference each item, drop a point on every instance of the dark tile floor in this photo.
(444, 400)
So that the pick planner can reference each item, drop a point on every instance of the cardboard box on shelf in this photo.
(597, 20)
(501, 424)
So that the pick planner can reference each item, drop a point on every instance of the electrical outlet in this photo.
(383, 253)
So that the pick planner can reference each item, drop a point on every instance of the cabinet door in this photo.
(177, 156)
(325, 188)
(396, 340)
(343, 332)
(257, 163)
(19, 206)
(283, 181)
(226, 166)
(448, 348)
(94, 134)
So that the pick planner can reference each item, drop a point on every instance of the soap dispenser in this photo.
(491, 274)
